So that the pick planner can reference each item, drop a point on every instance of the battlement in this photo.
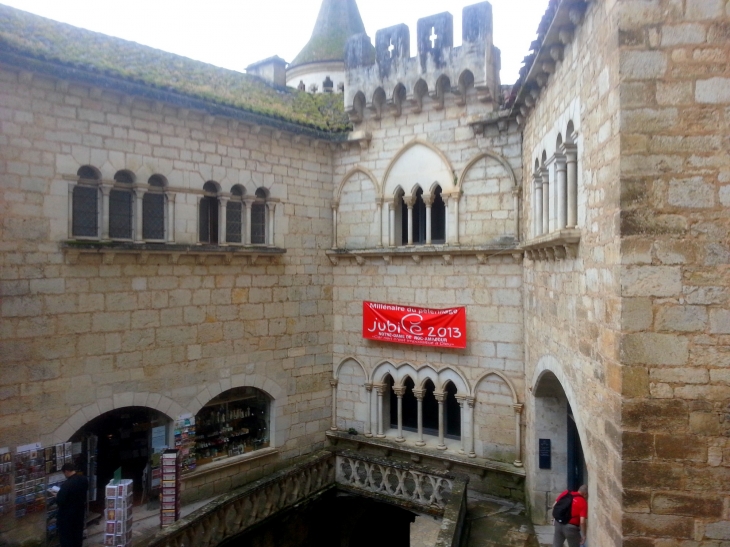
(394, 81)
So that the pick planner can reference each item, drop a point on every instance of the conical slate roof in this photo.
(336, 22)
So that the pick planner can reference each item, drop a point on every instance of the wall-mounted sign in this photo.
(414, 325)
(544, 453)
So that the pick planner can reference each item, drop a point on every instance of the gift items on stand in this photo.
(170, 496)
(118, 513)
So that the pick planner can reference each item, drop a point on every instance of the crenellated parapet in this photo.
(394, 82)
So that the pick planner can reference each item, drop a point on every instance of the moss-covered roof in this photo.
(337, 21)
(37, 38)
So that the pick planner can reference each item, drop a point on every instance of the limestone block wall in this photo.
(675, 281)
(81, 338)
(572, 305)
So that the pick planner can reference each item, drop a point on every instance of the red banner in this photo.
(443, 328)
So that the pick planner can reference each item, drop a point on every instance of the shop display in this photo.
(30, 482)
(185, 441)
(170, 493)
(231, 425)
(6, 476)
(54, 484)
(118, 513)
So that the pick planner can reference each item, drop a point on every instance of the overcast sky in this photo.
(235, 33)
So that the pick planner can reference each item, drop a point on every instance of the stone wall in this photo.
(571, 305)
(84, 336)
(675, 283)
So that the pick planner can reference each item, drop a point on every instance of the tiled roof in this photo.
(37, 39)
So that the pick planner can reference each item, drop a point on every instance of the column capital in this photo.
(334, 204)
(409, 201)
(380, 388)
(333, 382)
(419, 393)
(440, 396)
(106, 187)
(427, 199)
(368, 387)
(518, 408)
(399, 391)
(568, 149)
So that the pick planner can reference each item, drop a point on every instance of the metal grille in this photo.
(153, 216)
(85, 211)
(233, 221)
(258, 223)
(120, 214)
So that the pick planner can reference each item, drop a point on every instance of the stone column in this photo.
(369, 420)
(380, 388)
(470, 401)
(462, 410)
(247, 236)
(446, 218)
(379, 216)
(391, 222)
(409, 203)
(545, 172)
(562, 197)
(137, 218)
(455, 198)
(571, 161)
(170, 235)
(270, 232)
(441, 398)
(105, 190)
(399, 392)
(333, 383)
(538, 204)
(419, 393)
(516, 205)
(222, 216)
(428, 201)
(518, 434)
(335, 205)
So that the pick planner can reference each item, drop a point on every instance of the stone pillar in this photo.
(441, 398)
(379, 216)
(409, 204)
(391, 222)
(137, 218)
(380, 388)
(399, 392)
(419, 393)
(455, 199)
(571, 162)
(170, 235)
(222, 216)
(538, 204)
(470, 401)
(428, 201)
(545, 200)
(461, 400)
(516, 205)
(518, 434)
(247, 236)
(105, 190)
(446, 219)
(369, 420)
(333, 383)
(562, 196)
(272, 214)
(335, 205)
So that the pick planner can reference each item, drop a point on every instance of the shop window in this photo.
(208, 216)
(258, 218)
(153, 209)
(234, 215)
(121, 206)
(85, 203)
(233, 423)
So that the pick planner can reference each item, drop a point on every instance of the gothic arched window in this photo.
(208, 215)
(438, 217)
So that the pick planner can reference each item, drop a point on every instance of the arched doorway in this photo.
(123, 439)
(560, 459)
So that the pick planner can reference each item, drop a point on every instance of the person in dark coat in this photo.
(71, 501)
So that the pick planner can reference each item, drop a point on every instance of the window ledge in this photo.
(109, 250)
(553, 246)
(446, 458)
(504, 246)
(229, 462)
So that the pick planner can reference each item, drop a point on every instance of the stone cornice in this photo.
(553, 246)
(419, 252)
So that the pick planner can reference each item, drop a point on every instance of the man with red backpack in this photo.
(570, 512)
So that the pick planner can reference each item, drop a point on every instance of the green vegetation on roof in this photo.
(337, 21)
(39, 38)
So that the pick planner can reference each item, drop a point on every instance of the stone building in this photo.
(185, 241)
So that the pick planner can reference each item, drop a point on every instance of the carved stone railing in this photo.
(416, 488)
(233, 513)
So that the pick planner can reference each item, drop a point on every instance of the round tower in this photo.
(320, 65)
